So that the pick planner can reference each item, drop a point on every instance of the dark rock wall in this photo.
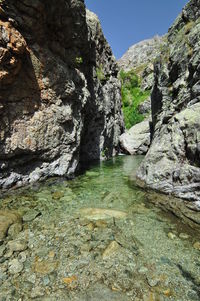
(172, 164)
(59, 96)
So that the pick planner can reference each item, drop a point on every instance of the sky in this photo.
(126, 22)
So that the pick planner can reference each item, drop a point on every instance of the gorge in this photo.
(80, 220)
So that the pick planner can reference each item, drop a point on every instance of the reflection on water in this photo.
(95, 238)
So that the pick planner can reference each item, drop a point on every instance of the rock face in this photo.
(60, 98)
(140, 57)
(172, 164)
(137, 139)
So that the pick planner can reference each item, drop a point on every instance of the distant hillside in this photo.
(141, 53)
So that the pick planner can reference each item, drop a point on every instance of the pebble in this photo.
(17, 245)
(22, 257)
(143, 270)
(46, 280)
(30, 215)
(99, 213)
(15, 229)
(167, 292)
(152, 281)
(183, 236)
(15, 266)
(171, 235)
(2, 250)
(32, 278)
(37, 292)
(111, 250)
(57, 195)
(196, 245)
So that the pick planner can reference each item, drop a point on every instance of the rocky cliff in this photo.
(60, 99)
(172, 164)
(140, 58)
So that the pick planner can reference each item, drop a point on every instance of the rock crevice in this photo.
(60, 97)
(172, 163)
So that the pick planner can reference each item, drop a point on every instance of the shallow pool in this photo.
(95, 238)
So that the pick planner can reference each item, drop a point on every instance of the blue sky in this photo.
(126, 22)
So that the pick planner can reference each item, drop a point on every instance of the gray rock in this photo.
(137, 139)
(15, 229)
(30, 215)
(53, 120)
(17, 245)
(15, 267)
(145, 107)
(37, 292)
(2, 250)
(7, 218)
(140, 57)
(152, 281)
(141, 53)
(172, 163)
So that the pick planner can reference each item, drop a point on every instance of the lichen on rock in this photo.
(54, 110)
(172, 163)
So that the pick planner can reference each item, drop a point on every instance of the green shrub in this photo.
(132, 96)
(79, 60)
(100, 73)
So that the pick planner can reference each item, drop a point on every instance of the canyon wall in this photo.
(60, 100)
(172, 164)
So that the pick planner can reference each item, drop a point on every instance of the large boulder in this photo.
(60, 99)
(172, 164)
(136, 141)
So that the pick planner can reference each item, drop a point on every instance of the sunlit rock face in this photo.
(140, 58)
(60, 99)
(172, 164)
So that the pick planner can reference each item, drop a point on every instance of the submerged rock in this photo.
(111, 250)
(197, 245)
(137, 139)
(30, 215)
(15, 266)
(7, 218)
(99, 213)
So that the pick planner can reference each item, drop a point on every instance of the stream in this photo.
(95, 238)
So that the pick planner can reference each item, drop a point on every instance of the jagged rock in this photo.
(60, 97)
(140, 58)
(137, 139)
(141, 53)
(172, 163)
(145, 107)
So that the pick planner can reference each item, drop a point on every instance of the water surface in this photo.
(97, 238)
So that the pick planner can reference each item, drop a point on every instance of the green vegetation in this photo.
(189, 25)
(105, 153)
(79, 60)
(132, 97)
(100, 73)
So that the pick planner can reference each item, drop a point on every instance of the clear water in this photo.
(96, 238)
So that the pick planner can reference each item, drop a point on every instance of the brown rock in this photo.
(44, 267)
(196, 245)
(7, 218)
(111, 250)
(100, 213)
